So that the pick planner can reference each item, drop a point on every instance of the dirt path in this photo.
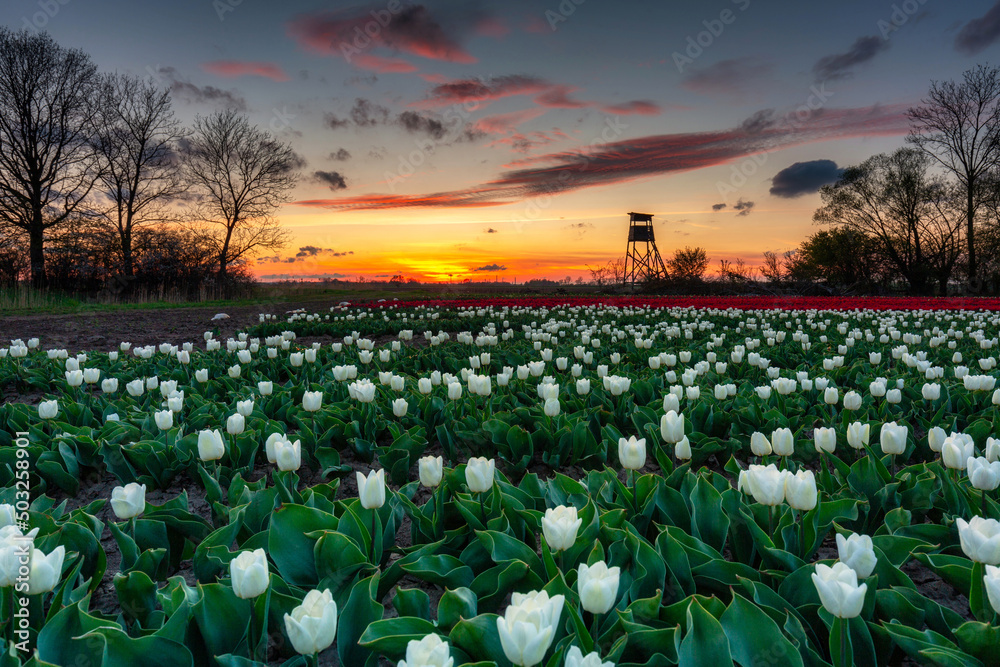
(87, 332)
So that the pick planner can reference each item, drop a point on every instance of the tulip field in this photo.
(507, 483)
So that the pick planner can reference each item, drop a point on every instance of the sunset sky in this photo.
(481, 139)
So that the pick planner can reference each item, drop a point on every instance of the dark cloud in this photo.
(980, 32)
(804, 178)
(718, 207)
(759, 121)
(642, 157)
(377, 152)
(304, 253)
(490, 267)
(486, 90)
(304, 276)
(727, 76)
(190, 93)
(339, 155)
(332, 179)
(744, 207)
(545, 94)
(366, 113)
(841, 65)
(416, 123)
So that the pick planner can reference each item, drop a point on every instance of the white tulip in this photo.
(128, 501)
(856, 551)
(249, 574)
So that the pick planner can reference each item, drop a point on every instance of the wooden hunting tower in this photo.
(642, 259)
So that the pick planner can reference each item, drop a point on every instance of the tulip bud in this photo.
(831, 396)
(48, 409)
(269, 444)
(288, 455)
(528, 626)
(935, 438)
(164, 419)
(782, 442)
(931, 392)
(980, 539)
(800, 490)
(45, 570)
(399, 407)
(858, 435)
(249, 574)
(575, 658)
(74, 378)
(128, 501)
(479, 473)
(892, 438)
(431, 471)
(759, 444)
(672, 427)
(765, 483)
(371, 489)
(992, 582)
(431, 651)
(682, 449)
(312, 401)
(857, 553)
(559, 527)
(312, 626)
(551, 407)
(839, 590)
(201, 375)
(956, 451)
(598, 587)
(632, 452)
(852, 400)
(992, 449)
(825, 439)
(583, 386)
(210, 445)
(454, 391)
(235, 424)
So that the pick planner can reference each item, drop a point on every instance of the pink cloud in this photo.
(492, 26)
(507, 122)
(350, 33)
(644, 157)
(232, 69)
(384, 65)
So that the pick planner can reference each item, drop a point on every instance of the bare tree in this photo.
(688, 264)
(892, 199)
(47, 165)
(611, 273)
(959, 126)
(776, 268)
(737, 272)
(137, 141)
(243, 174)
